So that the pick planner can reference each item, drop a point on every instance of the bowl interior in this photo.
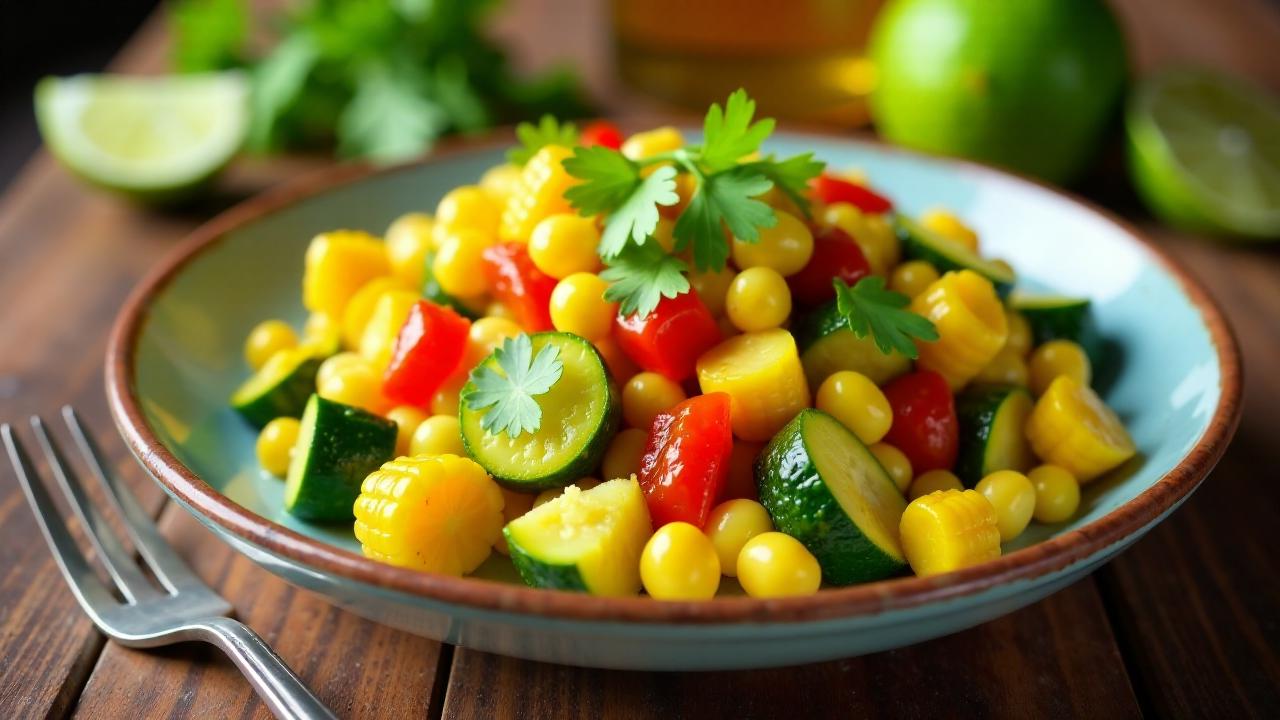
(1160, 371)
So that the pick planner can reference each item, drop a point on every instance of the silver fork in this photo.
(185, 609)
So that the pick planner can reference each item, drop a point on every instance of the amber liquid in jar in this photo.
(800, 59)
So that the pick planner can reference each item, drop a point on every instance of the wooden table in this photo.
(1186, 623)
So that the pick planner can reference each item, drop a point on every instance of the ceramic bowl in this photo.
(1172, 372)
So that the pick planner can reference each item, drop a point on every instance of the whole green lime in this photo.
(1030, 85)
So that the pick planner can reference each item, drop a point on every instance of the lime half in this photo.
(1204, 151)
(153, 138)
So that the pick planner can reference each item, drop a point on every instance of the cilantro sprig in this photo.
(533, 138)
(871, 309)
(728, 183)
(510, 394)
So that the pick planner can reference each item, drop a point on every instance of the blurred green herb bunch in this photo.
(376, 79)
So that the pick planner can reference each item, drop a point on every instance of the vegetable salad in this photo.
(632, 363)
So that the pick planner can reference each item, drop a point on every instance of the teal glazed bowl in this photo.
(1172, 372)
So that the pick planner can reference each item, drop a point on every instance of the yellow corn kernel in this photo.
(971, 326)
(873, 233)
(537, 195)
(266, 339)
(950, 227)
(514, 504)
(409, 240)
(1006, 368)
(762, 374)
(652, 142)
(1019, 340)
(338, 264)
(949, 530)
(1054, 358)
(361, 305)
(407, 419)
(438, 513)
(1072, 428)
(499, 181)
(380, 332)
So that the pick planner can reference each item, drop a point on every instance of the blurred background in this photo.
(1038, 87)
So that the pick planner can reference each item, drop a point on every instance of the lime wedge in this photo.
(1204, 152)
(154, 138)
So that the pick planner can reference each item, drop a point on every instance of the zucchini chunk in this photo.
(823, 487)
(584, 540)
(992, 420)
(580, 415)
(338, 446)
(1054, 317)
(945, 254)
(279, 388)
(827, 346)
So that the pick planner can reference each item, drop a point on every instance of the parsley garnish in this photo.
(511, 392)
(725, 198)
(642, 275)
(533, 138)
(869, 308)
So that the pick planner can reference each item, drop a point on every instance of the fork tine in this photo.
(92, 595)
(119, 563)
(168, 567)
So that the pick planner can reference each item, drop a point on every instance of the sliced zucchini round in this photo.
(584, 540)
(945, 254)
(823, 487)
(279, 388)
(580, 415)
(992, 420)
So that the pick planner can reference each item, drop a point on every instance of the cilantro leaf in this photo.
(510, 394)
(729, 135)
(641, 275)
(608, 179)
(725, 199)
(612, 184)
(791, 176)
(869, 308)
(533, 138)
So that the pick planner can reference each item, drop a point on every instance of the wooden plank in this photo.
(1053, 659)
(1195, 602)
(360, 669)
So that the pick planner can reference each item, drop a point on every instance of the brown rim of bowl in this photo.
(1053, 554)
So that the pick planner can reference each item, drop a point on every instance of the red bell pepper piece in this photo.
(830, 189)
(428, 349)
(670, 338)
(924, 425)
(601, 132)
(520, 285)
(686, 459)
(835, 255)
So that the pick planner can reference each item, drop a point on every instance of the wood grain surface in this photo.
(1184, 624)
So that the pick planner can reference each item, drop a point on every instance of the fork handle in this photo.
(281, 690)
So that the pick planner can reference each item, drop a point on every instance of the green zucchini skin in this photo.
(978, 409)
(1061, 319)
(337, 448)
(827, 346)
(539, 574)
(285, 398)
(920, 243)
(802, 506)
(533, 478)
